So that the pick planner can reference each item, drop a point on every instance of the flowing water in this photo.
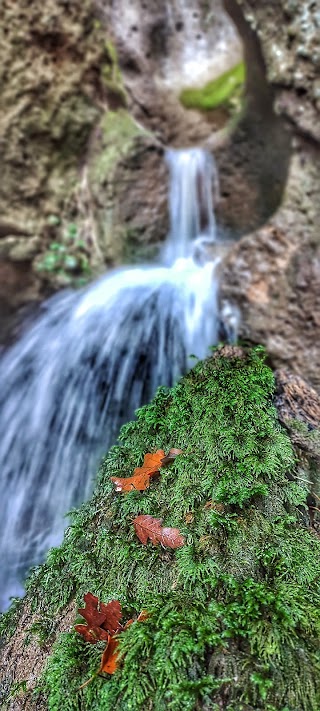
(89, 361)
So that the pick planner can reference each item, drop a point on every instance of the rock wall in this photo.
(273, 274)
(63, 153)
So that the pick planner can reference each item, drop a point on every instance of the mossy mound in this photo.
(217, 92)
(234, 613)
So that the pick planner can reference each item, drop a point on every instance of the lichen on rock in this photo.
(233, 613)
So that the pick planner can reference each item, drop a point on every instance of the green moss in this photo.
(234, 614)
(217, 92)
(119, 131)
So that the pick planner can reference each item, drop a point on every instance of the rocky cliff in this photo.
(274, 273)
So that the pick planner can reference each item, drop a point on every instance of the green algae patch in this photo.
(217, 92)
(234, 613)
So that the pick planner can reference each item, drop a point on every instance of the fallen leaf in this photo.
(101, 623)
(109, 661)
(148, 527)
(172, 454)
(140, 480)
(143, 615)
(92, 634)
(216, 506)
(140, 483)
(189, 517)
(104, 624)
(151, 463)
(112, 611)
(90, 612)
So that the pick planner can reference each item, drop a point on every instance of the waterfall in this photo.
(89, 361)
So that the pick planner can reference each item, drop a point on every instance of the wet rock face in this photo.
(70, 173)
(289, 34)
(52, 56)
(273, 275)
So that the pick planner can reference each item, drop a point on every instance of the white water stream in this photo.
(89, 361)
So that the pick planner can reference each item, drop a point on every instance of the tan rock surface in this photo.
(273, 274)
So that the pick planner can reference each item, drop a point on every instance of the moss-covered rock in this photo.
(234, 613)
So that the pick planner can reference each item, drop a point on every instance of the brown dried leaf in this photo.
(215, 505)
(148, 527)
(92, 634)
(90, 612)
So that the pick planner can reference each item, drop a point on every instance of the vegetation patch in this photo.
(67, 258)
(225, 90)
(232, 612)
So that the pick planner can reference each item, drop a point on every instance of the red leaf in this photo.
(113, 616)
(90, 612)
(141, 476)
(148, 527)
(100, 623)
(91, 634)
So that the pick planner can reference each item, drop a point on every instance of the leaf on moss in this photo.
(147, 527)
(109, 660)
(103, 623)
(172, 454)
(141, 476)
(102, 620)
(215, 505)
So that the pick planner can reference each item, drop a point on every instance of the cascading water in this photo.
(89, 361)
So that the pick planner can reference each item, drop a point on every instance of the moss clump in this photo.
(218, 92)
(234, 614)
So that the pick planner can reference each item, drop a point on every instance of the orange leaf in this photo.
(141, 475)
(139, 482)
(151, 463)
(143, 615)
(148, 527)
(109, 661)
